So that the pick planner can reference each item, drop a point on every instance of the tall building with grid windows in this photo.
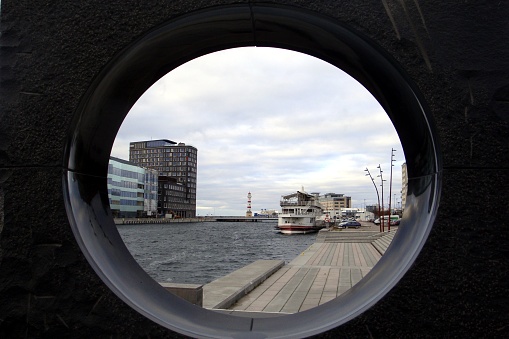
(177, 167)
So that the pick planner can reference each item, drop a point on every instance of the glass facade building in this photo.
(150, 193)
(126, 188)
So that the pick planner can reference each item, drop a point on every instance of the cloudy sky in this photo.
(268, 121)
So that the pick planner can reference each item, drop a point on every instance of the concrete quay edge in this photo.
(226, 291)
(190, 292)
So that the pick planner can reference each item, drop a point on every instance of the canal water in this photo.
(200, 252)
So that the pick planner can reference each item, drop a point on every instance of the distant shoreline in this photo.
(140, 221)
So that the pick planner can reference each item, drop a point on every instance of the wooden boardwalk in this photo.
(328, 268)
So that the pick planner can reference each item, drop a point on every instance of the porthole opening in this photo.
(262, 122)
(121, 83)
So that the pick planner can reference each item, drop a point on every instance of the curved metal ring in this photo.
(135, 69)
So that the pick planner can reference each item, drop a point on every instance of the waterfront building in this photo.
(126, 186)
(349, 212)
(404, 185)
(172, 202)
(364, 215)
(176, 164)
(267, 213)
(150, 192)
(333, 204)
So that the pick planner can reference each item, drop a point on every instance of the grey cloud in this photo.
(266, 121)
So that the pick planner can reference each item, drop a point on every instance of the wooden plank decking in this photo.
(321, 273)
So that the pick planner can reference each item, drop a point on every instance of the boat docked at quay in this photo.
(300, 213)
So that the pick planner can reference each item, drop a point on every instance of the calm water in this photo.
(201, 252)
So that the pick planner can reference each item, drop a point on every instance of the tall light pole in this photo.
(382, 180)
(364, 209)
(390, 187)
(376, 188)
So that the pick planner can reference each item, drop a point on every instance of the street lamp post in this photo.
(376, 188)
(382, 180)
(365, 218)
(390, 187)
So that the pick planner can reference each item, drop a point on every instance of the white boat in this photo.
(300, 213)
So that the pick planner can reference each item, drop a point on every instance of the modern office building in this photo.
(172, 202)
(176, 165)
(125, 188)
(150, 192)
(404, 186)
(333, 204)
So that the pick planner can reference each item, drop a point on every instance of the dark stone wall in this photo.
(456, 52)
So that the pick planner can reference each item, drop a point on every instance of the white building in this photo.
(404, 185)
(333, 204)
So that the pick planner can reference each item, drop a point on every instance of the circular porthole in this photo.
(133, 71)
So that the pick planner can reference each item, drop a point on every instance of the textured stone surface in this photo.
(456, 53)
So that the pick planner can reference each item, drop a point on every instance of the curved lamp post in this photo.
(376, 188)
